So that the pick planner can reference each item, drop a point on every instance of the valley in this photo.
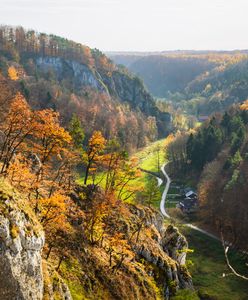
(112, 188)
(206, 261)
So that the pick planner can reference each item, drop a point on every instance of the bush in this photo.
(14, 231)
(185, 295)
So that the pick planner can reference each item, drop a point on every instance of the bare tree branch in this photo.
(226, 248)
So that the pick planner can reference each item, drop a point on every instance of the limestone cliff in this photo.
(23, 274)
(21, 242)
(80, 74)
(119, 85)
(153, 266)
(147, 262)
(166, 250)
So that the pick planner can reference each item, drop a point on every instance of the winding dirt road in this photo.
(163, 200)
(165, 192)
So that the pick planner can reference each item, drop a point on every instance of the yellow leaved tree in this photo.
(93, 154)
(12, 73)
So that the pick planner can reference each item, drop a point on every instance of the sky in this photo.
(136, 25)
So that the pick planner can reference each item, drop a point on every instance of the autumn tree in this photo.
(53, 209)
(151, 191)
(96, 211)
(128, 172)
(112, 162)
(6, 96)
(16, 130)
(118, 249)
(94, 151)
(63, 177)
(20, 173)
(52, 143)
(60, 238)
(76, 131)
(13, 74)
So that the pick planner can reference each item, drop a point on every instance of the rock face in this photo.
(21, 242)
(119, 85)
(160, 252)
(168, 254)
(81, 75)
(132, 90)
(23, 274)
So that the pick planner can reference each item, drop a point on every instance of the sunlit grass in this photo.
(148, 159)
(152, 157)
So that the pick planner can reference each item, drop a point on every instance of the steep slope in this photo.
(221, 87)
(24, 273)
(72, 78)
(215, 158)
(163, 75)
(96, 245)
(120, 85)
(200, 82)
(145, 263)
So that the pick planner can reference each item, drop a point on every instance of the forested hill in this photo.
(199, 82)
(216, 156)
(53, 72)
(165, 74)
(73, 214)
(220, 88)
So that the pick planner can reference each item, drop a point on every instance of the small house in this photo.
(188, 193)
(189, 202)
(188, 205)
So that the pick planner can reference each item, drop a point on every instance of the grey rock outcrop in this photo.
(169, 256)
(21, 243)
(81, 75)
(23, 274)
(119, 85)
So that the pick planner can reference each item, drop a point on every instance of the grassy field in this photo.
(148, 158)
(152, 157)
(209, 266)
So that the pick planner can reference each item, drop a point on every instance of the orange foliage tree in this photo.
(27, 134)
(244, 106)
(128, 172)
(19, 125)
(93, 155)
(52, 147)
(53, 209)
(20, 173)
(13, 74)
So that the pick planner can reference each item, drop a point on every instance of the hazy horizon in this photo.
(136, 26)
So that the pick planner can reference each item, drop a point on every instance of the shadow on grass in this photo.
(209, 266)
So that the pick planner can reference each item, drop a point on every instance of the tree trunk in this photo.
(86, 173)
(60, 261)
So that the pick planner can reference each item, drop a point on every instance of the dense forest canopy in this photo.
(199, 82)
(163, 75)
(216, 154)
(16, 41)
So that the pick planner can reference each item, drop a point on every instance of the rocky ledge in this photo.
(21, 243)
